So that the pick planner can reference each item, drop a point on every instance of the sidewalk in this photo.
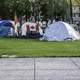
(40, 69)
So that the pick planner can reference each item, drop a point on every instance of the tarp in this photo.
(6, 28)
(60, 31)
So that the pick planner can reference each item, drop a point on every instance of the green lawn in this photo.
(36, 48)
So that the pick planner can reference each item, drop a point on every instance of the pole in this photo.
(51, 3)
(71, 12)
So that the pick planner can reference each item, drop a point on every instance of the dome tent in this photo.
(60, 31)
(31, 30)
(6, 28)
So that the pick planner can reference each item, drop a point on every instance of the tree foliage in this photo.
(46, 8)
(9, 7)
(76, 2)
(52, 8)
(2, 9)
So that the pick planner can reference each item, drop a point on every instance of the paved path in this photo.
(40, 69)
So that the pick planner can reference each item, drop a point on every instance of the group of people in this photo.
(23, 27)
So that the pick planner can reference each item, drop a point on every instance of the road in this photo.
(40, 69)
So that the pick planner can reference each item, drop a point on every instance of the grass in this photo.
(36, 48)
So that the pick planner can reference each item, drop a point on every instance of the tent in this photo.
(6, 28)
(31, 30)
(60, 31)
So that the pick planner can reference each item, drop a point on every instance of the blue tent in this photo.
(6, 28)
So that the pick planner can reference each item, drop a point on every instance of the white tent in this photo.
(32, 27)
(60, 31)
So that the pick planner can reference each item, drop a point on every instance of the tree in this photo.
(21, 7)
(44, 9)
(52, 8)
(71, 4)
(2, 9)
(76, 2)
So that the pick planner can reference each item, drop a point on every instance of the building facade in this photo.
(76, 13)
